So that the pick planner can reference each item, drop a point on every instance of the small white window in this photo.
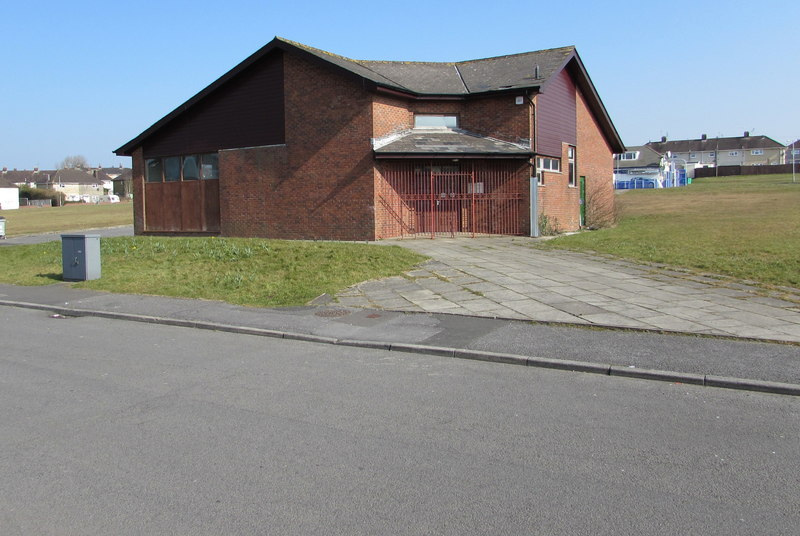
(692, 155)
(733, 153)
(548, 164)
(756, 152)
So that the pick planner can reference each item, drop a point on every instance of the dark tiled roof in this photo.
(428, 79)
(25, 175)
(454, 78)
(75, 176)
(449, 142)
(515, 71)
(647, 158)
(714, 144)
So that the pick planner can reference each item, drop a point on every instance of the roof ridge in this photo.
(314, 49)
(569, 47)
(406, 62)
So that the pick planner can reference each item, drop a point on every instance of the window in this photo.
(548, 164)
(210, 166)
(172, 169)
(711, 154)
(692, 155)
(435, 121)
(733, 153)
(182, 168)
(153, 170)
(757, 152)
(571, 157)
(191, 168)
(630, 155)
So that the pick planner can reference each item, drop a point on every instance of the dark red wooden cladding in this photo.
(247, 111)
(450, 198)
(556, 118)
(188, 206)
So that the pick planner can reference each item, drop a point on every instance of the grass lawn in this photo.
(745, 227)
(242, 271)
(34, 220)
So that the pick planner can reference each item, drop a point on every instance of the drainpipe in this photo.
(534, 182)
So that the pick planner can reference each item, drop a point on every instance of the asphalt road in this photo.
(125, 230)
(113, 427)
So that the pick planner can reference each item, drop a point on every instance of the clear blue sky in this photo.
(85, 77)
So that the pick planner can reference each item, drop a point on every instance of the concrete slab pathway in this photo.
(505, 277)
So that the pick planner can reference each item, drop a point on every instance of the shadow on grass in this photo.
(54, 276)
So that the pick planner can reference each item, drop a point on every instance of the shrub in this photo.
(27, 192)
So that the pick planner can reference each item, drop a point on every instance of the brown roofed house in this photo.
(299, 143)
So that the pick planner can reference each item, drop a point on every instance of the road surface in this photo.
(114, 427)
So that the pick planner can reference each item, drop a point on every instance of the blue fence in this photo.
(672, 180)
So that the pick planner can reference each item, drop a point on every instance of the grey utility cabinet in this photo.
(80, 255)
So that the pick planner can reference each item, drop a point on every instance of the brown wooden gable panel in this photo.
(556, 115)
(247, 111)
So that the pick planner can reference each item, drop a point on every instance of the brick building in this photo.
(298, 143)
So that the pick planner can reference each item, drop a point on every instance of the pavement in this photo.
(498, 299)
(505, 277)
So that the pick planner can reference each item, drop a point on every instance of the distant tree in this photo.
(75, 161)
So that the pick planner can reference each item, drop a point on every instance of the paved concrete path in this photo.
(505, 277)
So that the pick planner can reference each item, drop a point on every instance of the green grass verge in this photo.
(35, 220)
(745, 227)
(244, 271)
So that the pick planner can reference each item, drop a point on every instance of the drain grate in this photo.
(332, 313)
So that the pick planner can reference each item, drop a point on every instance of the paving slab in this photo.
(493, 276)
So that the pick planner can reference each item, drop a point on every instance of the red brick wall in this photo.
(559, 201)
(328, 189)
(319, 185)
(595, 162)
(390, 114)
(498, 117)
(248, 181)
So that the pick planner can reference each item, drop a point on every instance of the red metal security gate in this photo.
(470, 198)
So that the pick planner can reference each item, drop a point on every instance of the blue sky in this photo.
(85, 77)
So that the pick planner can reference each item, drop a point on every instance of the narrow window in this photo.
(153, 170)
(172, 168)
(757, 152)
(571, 157)
(210, 166)
(191, 168)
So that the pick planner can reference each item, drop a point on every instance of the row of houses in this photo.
(668, 162)
(74, 183)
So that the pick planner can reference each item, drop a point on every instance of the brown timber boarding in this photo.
(182, 207)
(247, 111)
(429, 198)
